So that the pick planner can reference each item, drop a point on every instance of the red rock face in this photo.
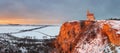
(68, 32)
(111, 33)
(72, 34)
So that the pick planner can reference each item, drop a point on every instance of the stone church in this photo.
(90, 16)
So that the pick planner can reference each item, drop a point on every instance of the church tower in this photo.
(90, 16)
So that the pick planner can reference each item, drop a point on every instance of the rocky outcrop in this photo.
(86, 36)
(111, 33)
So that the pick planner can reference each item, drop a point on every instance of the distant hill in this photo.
(114, 19)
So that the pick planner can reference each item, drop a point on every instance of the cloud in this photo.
(60, 10)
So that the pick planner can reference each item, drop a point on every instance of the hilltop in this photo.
(88, 36)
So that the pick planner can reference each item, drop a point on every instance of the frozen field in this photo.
(39, 33)
(8, 29)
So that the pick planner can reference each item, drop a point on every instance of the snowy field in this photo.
(8, 29)
(40, 33)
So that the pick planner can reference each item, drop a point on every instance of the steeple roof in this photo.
(89, 14)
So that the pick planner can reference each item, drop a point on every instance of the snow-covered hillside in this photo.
(100, 36)
(37, 34)
(27, 39)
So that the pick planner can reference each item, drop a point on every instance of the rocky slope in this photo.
(89, 37)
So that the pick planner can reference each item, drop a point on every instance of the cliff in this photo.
(87, 36)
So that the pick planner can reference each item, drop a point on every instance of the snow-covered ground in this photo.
(115, 24)
(38, 33)
(8, 29)
(96, 45)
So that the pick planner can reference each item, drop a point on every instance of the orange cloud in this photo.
(16, 19)
(28, 21)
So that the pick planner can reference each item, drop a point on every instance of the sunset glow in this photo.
(28, 21)
(55, 12)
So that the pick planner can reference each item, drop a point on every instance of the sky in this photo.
(55, 11)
